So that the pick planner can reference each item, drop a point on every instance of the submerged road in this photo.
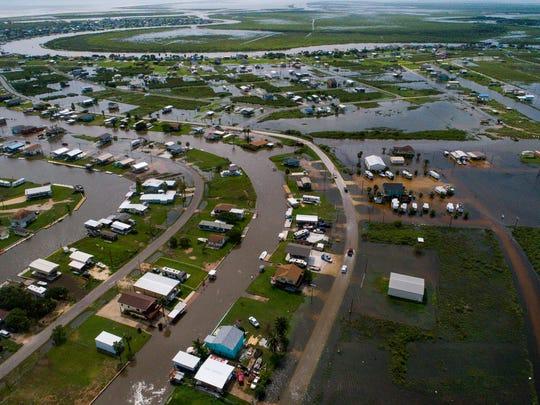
(38, 340)
(309, 359)
(146, 381)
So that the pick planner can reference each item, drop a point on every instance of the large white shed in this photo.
(105, 341)
(374, 163)
(407, 287)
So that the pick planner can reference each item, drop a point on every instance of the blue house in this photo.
(13, 147)
(484, 98)
(226, 342)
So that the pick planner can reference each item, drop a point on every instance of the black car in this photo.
(350, 252)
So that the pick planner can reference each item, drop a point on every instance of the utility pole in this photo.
(350, 309)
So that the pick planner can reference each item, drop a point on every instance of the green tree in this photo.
(59, 335)
(128, 338)
(118, 349)
(173, 242)
(57, 293)
(184, 243)
(235, 235)
(17, 320)
(200, 349)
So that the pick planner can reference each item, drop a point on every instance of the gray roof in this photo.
(295, 249)
(227, 336)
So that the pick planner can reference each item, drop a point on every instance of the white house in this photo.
(307, 219)
(183, 360)
(38, 192)
(407, 287)
(105, 341)
(157, 286)
(44, 268)
(214, 374)
(374, 163)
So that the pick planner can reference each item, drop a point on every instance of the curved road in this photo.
(36, 341)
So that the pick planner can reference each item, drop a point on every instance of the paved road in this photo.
(309, 359)
(10, 89)
(146, 381)
(41, 338)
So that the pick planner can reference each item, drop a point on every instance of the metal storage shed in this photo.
(374, 163)
(407, 287)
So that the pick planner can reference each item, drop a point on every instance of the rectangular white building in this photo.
(407, 287)
(105, 341)
(157, 286)
(214, 374)
(187, 361)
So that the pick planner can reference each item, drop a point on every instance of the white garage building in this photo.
(407, 287)
(105, 341)
(374, 163)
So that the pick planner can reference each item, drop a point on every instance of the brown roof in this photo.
(215, 238)
(289, 273)
(22, 213)
(259, 142)
(224, 207)
(139, 301)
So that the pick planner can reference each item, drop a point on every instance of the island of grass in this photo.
(188, 395)
(73, 372)
(529, 239)
(464, 342)
(389, 133)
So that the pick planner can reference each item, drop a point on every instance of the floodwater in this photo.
(177, 35)
(104, 194)
(391, 114)
(508, 186)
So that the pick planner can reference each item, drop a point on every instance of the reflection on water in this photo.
(399, 115)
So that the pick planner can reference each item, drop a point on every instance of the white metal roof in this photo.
(403, 282)
(38, 190)
(36, 289)
(161, 197)
(186, 360)
(43, 266)
(59, 151)
(108, 338)
(307, 218)
(153, 183)
(92, 223)
(157, 284)
(374, 162)
(120, 226)
(127, 205)
(80, 256)
(74, 152)
(214, 373)
(75, 264)
(104, 157)
(140, 165)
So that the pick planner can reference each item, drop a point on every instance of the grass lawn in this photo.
(8, 348)
(75, 371)
(7, 193)
(476, 306)
(533, 160)
(529, 239)
(204, 160)
(443, 134)
(285, 114)
(196, 274)
(185, 395)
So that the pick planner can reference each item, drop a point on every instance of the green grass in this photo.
(197, 275)
(508, 70)
(533, 160)
(185, 395)
(75, 371)
(443, 134)
(296, 33)
(285, 114)
(476, 304)
(280, 101)
(205, 161)
(526, 128)
(8, 348)
(529, 239)
(148, 103)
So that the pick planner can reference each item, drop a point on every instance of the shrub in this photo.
(17, 321)
(59, 335)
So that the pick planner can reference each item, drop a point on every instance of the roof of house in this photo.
(393, 188)
(186, 360)
(43, 265)
(214, 373)
(224, 207)
(108, 338)
(227, 336)
(295, 249)
(139, 301)
(215, 238)
(156, 284)
(259, 142)
(22, 213)
(403, 282)
(38, 190)
(306, 218)
(81, 256)
(290, 273)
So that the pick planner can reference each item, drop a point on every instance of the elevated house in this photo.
(227, 341)
(139, 305)
(22, 218)
(288, 277)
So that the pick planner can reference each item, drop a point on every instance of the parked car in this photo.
(326, 257)
(389, 174)
(254, 383)
(4, 333)
(395, 204)
(368, 175)
(425, 207)
(344, 269)
(252, 320)
(350, 252)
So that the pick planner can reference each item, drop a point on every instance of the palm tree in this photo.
(200, 349)
(118, 348)
(273, 341)
(127, 338)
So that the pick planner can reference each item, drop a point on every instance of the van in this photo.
(450, 208)
(4, 333)
(389, 174)
(407, 174)
(303, 233)
(135, 143)
(434, 174)
(263, 255)
(167, 109)
(368, 175)
(395, 204)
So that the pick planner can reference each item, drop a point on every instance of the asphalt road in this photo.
(36, 341)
